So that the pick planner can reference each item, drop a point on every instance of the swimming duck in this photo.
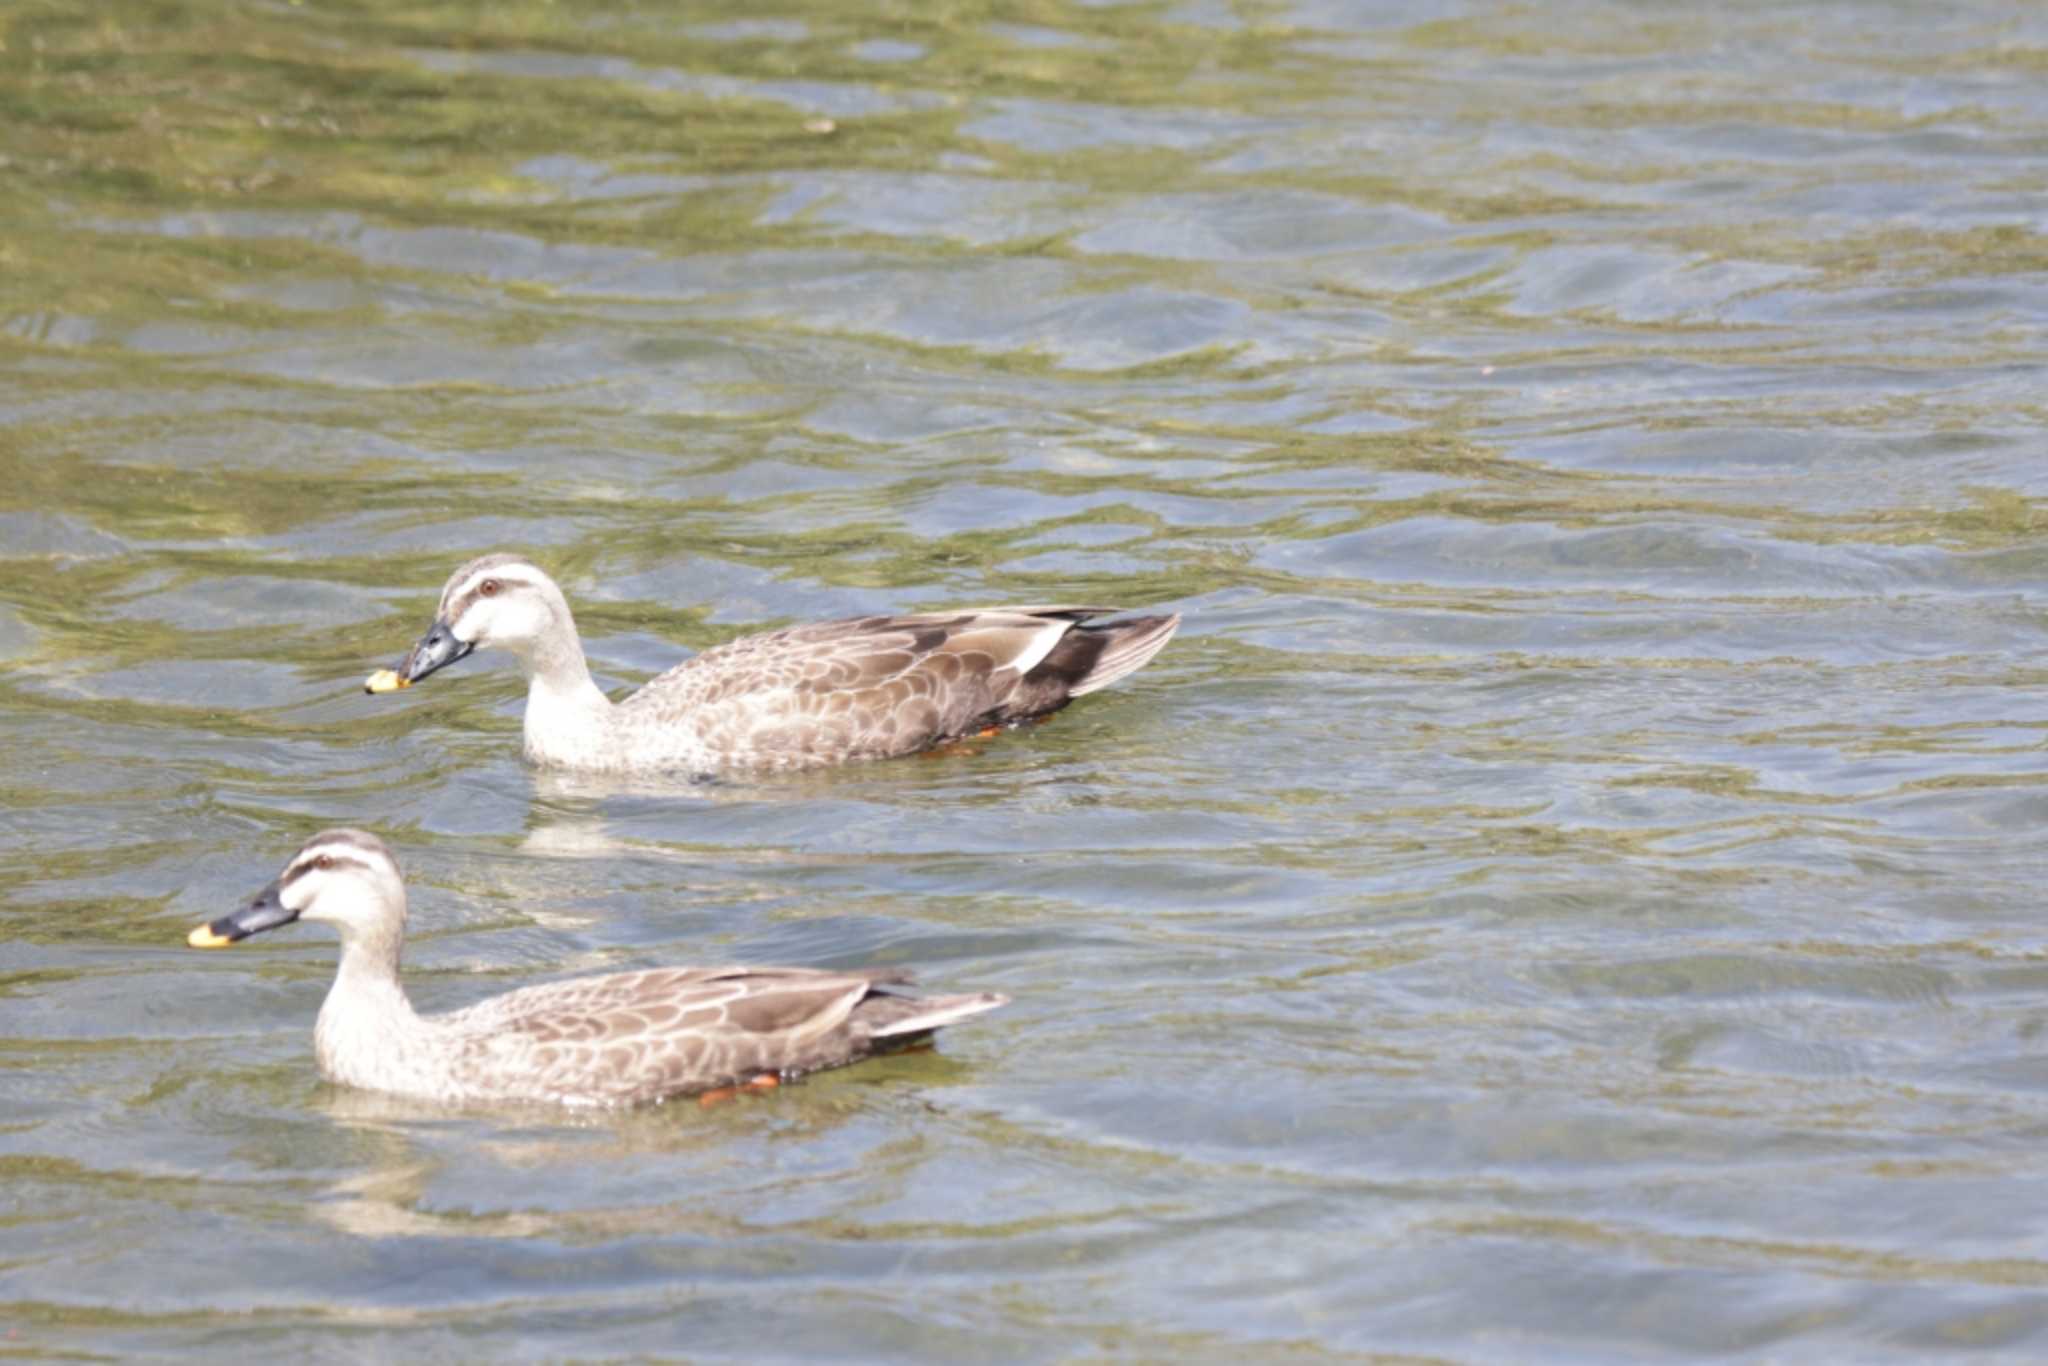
(863, 688)
(624, 1038)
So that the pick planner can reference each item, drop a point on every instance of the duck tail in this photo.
(1110, 651)
(895, 1017)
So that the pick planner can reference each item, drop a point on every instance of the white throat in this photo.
(365, 1023)
(566, 718)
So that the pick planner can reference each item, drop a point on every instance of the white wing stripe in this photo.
(1041, 646)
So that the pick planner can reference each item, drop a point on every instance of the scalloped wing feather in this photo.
(638, 1036)
(870, 687)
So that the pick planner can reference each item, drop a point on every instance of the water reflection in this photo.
(686, 1169)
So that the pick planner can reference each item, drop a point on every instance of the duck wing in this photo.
(627, 1038)
(888, 685)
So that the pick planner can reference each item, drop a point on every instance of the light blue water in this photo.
(1572, 892)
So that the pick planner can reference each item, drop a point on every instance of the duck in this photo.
(805, 696)
(616, 1040)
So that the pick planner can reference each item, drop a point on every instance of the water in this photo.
(1571, 892)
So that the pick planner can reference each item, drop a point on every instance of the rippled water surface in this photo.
(1573, 891)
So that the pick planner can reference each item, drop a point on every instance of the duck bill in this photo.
(437, 649)
(266, 912)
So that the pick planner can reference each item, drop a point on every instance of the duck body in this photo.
(625, 1038)
(831, 692)
(801, 697)
(629, 1038)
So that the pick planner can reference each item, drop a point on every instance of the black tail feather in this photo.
(1087, 658)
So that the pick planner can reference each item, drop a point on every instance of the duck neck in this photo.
(367, 1019)
(564, 706)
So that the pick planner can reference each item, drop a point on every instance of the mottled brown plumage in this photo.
(863, 688)
(625, 1038)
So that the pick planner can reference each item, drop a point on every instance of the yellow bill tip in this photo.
(385, 680)
(203, 937)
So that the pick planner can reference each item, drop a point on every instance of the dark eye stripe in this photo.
(453, 612)
(307, 865)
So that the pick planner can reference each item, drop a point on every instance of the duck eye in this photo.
(323, 863)
(489, 588)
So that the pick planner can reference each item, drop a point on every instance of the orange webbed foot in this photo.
(767, 1081)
